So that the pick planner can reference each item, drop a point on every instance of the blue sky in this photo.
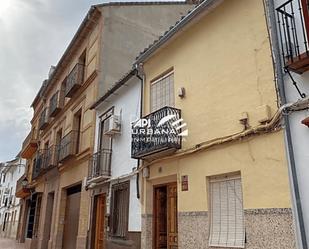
(33, 36)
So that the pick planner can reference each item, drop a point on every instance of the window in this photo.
(77, 123)
(120, 207)
(82, 61)
(162, 92)
(226, 212)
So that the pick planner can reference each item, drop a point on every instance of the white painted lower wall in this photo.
(126, 103)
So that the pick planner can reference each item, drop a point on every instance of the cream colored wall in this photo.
(224, 63)
(258, 159)
(225, 66)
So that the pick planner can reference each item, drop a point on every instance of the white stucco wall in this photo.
(126, 103)
(13, 171)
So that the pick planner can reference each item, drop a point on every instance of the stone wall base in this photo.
(265, 229)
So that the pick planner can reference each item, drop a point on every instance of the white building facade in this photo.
(288, 22)
(118, 183)
(9, 204)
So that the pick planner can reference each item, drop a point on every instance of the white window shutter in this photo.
(226, 213)
(162, 92)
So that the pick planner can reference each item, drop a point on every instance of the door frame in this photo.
(154, 223)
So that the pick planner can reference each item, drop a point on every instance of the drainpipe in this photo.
(287, 131)
(140, 115)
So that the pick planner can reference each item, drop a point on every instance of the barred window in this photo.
(227, 227)
(162, 92)
(120, 209)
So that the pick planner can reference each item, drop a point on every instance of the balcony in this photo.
(68, 146)
(38, 165)
(30, 145)
(100, 166)
(293, 25)
(22, 189)
(45, 160)
(43, 122)
(74, 80)
(156, 139)
(50, 157)
(56, 103)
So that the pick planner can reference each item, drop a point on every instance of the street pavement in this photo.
(10, 244)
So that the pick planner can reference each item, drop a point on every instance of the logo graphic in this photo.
(169, 128)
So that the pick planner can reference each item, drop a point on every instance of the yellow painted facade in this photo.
(224, 63)
(73, 171)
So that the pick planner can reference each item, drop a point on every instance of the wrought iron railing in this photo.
(100, 164)
(68, 146)
(293, 25)
(45, 160)
(50, 157)
(74, 80)
(56, 103)
(43, 122)
(37, 165)
(156, 136)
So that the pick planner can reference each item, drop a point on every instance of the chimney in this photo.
(51, 71)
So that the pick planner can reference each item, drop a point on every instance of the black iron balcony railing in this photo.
(156, 137)
(43, 122)
(293, 25)
(56, 103)
(68, 146)
(45, 160)
(74, 80)
(37, 165)
(50, 157)
(100, 165)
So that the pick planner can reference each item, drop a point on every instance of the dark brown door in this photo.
(172, 224)
(160, 217)
(71, 218)
(165, 217)
(99, 222)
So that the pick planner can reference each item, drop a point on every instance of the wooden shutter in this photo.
(226, 213)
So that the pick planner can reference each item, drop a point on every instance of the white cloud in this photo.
(34, 35)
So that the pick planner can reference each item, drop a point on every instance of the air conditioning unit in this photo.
(112, 125)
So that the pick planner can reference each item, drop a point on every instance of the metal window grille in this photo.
(162, 92)
(227, 227)
(120, 209)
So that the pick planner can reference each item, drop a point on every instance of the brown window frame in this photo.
(305, 7)
(124, 186)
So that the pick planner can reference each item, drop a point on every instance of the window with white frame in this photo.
(162, 92)
(227, 227)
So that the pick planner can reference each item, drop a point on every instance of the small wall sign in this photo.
(184, 183)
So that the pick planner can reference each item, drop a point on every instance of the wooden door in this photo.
(305, 7)
(99, 222)
(165, 217)
(71, 219)
(172, 222)
(160, 218)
